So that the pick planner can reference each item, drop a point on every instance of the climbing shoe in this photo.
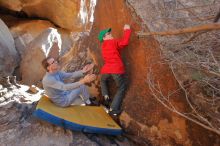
(114, 112)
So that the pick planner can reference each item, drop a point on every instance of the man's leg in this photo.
(85, 94)
(121, 84)
(76, 99)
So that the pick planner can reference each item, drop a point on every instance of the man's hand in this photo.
(126, 26)
(88, 67)
(88, 78)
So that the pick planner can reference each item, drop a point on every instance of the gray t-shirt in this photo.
(56, 89)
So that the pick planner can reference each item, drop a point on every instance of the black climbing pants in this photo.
(121, 85)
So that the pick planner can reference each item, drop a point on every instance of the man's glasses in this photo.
(54, 61)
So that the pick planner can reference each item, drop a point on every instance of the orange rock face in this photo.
(143, 115)
(70, 14)
(14, 5)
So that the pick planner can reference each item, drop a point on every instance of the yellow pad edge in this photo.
(93, 116)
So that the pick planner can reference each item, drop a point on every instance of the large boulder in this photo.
(34, 40)
(8, 53)
(14, 5)
(26, 31)
(143, 115)
(47, 43)
(74, 15)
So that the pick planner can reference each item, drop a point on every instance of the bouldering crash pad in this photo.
(91, 119)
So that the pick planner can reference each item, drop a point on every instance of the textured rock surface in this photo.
(70, 14)
(143, 115)
(37, 50)
(171, 14)
(14, 5)
(26, 31)
(8, 53)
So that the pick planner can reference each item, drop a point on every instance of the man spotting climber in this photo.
(65, 94)
(113, 66)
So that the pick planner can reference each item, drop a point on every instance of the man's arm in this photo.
(75, 74)
(126, 36)
(53, 83)
(56, 84)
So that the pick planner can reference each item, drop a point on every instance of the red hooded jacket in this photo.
(111, 53)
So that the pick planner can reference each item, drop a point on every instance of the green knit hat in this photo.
(102, 34)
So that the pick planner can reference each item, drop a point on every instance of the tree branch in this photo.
(213, 26)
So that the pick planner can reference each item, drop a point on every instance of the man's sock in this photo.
(88, 101)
